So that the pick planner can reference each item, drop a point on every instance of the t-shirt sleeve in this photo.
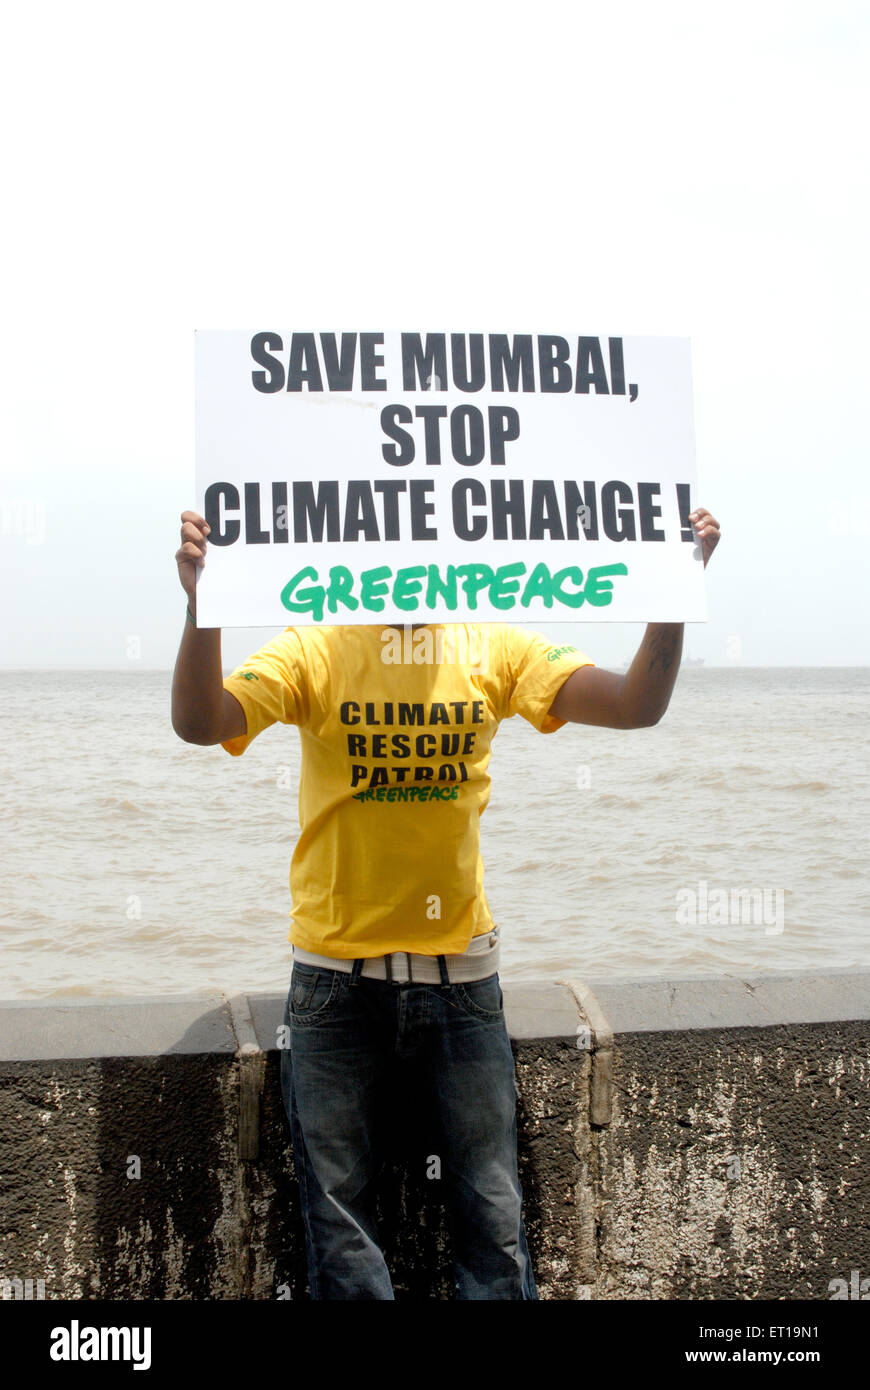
(536, 669)
(271, 686)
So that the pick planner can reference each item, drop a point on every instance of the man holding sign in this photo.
(395, 951)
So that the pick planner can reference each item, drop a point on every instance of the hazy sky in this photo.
(668, 168)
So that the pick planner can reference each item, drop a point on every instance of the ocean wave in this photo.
(627, 803)
(119, 804)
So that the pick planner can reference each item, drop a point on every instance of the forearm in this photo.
(197, 685)
(649, 681)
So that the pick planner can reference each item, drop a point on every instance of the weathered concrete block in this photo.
(677, 1139)
(736, 1165)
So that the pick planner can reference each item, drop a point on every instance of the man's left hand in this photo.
(706, 530)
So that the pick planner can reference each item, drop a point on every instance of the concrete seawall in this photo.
(682, 1139)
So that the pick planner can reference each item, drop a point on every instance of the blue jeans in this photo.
(346, 1037)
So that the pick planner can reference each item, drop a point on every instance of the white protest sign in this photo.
(445, 477)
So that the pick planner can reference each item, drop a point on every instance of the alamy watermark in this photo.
(720, 907)
(21, 1289)
(77, 1343)
(855, 1288)
(450, 645)
(23, 516)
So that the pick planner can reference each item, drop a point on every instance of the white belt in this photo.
(407, 967)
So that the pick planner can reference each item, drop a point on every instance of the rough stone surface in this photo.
(735, 1165)
(72, 1210)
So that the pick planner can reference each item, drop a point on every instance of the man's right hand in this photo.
(202, 710)
(190, 555)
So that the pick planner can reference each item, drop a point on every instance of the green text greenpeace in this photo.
(408, 794)
(425, 586)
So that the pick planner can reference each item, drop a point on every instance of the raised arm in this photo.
(202, 711)
(638, 699)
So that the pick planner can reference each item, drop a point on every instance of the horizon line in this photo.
(134, 668)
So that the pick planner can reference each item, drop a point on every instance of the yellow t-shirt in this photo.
(396, 731)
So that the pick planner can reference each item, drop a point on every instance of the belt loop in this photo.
(442, 966)
(357, 970)
(410, 971)
(388, 968)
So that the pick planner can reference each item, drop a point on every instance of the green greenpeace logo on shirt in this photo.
(559, 651)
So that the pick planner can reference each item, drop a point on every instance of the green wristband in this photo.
(190, 618)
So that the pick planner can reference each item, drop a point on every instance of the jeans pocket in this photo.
(312, 992)
(481, 998)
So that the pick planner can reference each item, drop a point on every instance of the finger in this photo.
(189, 552)
(191, 532)
(192, 524)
